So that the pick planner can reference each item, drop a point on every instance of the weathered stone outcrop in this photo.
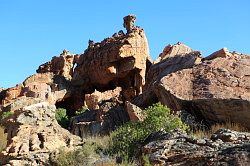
(222, 53)
(128, 23)
(45, 86)
(10, 93)
(173, 50)
(173, 58)
(226, 147)
(118, 61)
(217, 90)
(62, 65)
(33, 134)
(93, 100)
(135, 113)
(108, 117)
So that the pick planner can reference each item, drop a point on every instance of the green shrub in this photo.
(127, 138)
(81, 110)
(62, 117)
(6, 114)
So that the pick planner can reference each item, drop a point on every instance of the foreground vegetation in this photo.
(122, 145)
(3, 139)
(203, 133)
(127, 139)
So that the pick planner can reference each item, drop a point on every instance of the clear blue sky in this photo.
(32, 31)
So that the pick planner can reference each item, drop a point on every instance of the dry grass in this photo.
(3, 139)
(228, 125)
(91, 153)
(101, 141)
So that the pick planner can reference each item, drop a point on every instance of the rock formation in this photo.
(62, 65)
(173, 58)
(226, 147)
(93, 100)
(216, 89)
(119, 61)
(33, 134)
(107, 118)
(128, 23)
(135, 113)
(113, 79)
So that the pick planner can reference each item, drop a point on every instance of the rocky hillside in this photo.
(114, 79)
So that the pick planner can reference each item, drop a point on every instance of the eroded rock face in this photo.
(173, 50)
(135, 113)
(45, 86)
(51, 83)
(173, 58)
(62, 65)
(217, 89)
(109, 116)
(128, 23)
(33, 134)
(177, 148)
(93, 100)
(222, 53)
(119, 61)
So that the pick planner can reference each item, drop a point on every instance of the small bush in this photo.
(3, 139)
(62, 117)
(81, 110)
(86, 155)
(82, 156)
(6, 114)
(127, 138)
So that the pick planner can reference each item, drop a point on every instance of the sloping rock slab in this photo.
(218, 90)
(172, 59)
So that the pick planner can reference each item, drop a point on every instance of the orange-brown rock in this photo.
(217, 89)
(45, 86)
(93, 100)
(173, 50)
(222, 53)
(135, 113)
(11, 93)
(62, 65)
(128, 22)
(173, 58)
(119, 61)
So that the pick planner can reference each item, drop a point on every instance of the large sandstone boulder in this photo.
(216, 90)
(226, 147)
(33, 135)
(118, 61)
(173, 58)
